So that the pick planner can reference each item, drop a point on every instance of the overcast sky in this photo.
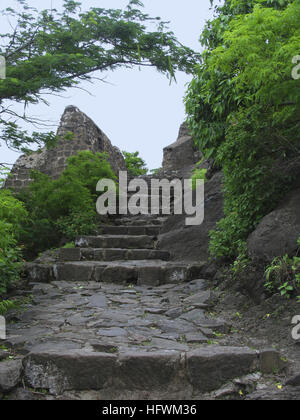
(138, 110)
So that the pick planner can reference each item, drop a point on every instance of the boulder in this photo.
(190, 243)
(10, 374)
(278, 232)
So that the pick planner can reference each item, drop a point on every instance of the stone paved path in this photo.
(114, 316)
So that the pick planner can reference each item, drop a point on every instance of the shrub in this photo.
(64, 208)
(252, 185)
(243, 111)
(10, 257)
(78, 222)
(87, 168)
(12, 215)
(135, 164)
(283, 275)
(12, 211)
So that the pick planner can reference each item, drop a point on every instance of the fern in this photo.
(6, 305)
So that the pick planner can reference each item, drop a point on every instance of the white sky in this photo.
(138, 110)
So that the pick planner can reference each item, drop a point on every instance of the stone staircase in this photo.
(120, 254)
(116, 318)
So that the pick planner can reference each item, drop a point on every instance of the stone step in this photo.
(140, 272)
(158, 211)
(116, 241)
(111, 254)
(150, 230)
(140, 220)
(147, 212)
(192, 373)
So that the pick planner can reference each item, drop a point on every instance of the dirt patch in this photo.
(267, 324)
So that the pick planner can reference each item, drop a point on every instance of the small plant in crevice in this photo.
(14, 304)
(6, 305)
(242, 261)
(198, 173)
(283, 276)
(296, 268)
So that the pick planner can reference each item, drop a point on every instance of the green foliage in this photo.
(253, 185)
(87, 168)
(64, 208)
(198, 173)
(243, 110)
(69, 245)
(12, 211)
(81, 221)
(12, 215)
(16, 304)
(242, 262)
(283, 275)
(135, 164)
(48, 51)
(20, 141)
(4, 173)
(296, 268)
(155, 171)
(6, 305)
(10, 257)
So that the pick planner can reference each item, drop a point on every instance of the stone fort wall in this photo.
(87, 136)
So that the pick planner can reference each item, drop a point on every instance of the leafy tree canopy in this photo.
(48, 51)
(135, 164)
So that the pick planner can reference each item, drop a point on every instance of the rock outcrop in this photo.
(182, 153)
(278, 232)
(86, 136)
(191, 243)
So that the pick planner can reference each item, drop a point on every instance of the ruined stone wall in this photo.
(87, 136)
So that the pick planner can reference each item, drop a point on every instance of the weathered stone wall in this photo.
(87, 136)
